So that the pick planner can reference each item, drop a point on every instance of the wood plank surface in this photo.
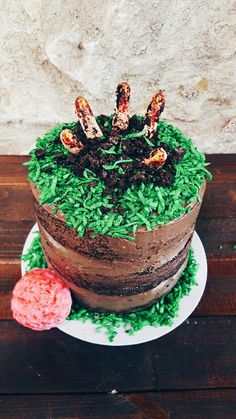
(217, 235)
(219, 200)
(190, 373)
(209, 404)
(12, 171)
(223, 168)
(17, 202)
(216, 227)
(218, 299)
(198, 355)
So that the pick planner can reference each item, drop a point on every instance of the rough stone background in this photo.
(53, 50)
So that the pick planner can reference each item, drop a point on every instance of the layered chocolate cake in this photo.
(116, 201)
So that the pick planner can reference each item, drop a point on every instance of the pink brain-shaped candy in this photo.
(41, 300)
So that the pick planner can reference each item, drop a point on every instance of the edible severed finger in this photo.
(87, 119)
(157, 158)
(120, 119)
(70, 141)
(154, 110)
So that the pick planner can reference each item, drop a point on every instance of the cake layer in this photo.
(123, 303)
(120, 299)
(66, 260)
(112, 274)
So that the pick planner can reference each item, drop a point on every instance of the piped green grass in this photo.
(162, 313)
(147, 205)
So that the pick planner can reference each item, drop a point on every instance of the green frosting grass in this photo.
(161, 313)
(147, 205)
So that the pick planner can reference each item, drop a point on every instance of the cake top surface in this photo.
(112, 174)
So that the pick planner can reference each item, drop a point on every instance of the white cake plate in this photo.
(87, 331)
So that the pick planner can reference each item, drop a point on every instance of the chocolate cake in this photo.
(116, 202)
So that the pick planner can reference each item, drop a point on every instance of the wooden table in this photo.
(189, 373)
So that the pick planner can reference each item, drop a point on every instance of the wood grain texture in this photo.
(190, 373)
(17, 202)
(223, 168)
(216, 226)
(12, 171)
(209, 404)
(219, 297)
(197, 355)
(217, 234)
(17, 216)
(218, 237)
(219, 200)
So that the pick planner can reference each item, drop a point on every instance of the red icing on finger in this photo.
(123, 96)
(120, 119)
(154, 110)
(70, 141)
(68, 137)
(87, 119)
(157, 158)
(82, 106)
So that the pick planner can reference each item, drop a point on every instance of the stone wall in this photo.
(53, 50)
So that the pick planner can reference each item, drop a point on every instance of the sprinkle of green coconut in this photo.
(147, 205)
(135, 135)
(35, 257)
(161, 313)
(109, 151)
(114, 166)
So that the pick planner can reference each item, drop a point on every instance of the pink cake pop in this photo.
(41, 300)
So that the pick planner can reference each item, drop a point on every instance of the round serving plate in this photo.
(87, 331)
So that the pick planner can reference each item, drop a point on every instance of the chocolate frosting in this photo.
(112, 274)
